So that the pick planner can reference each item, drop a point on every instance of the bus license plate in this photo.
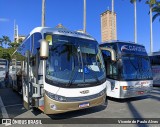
(86, 104)
(140, 92)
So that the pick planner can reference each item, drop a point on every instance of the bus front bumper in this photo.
(134, 93)
(56, 107)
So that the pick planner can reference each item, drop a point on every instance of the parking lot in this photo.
(137, 108)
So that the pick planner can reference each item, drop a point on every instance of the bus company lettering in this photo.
(141, 83)
(144, 82)
(132, 48)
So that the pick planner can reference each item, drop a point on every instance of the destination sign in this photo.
(132, 49)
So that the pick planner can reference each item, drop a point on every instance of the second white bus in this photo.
(130, 75)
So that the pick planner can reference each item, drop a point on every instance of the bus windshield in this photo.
(136, 68)
(74, 62)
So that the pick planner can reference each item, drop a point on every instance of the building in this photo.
(16, 37)
(106, 26)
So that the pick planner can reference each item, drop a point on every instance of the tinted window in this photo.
(136, 67)
(37, 37)
(155, 60)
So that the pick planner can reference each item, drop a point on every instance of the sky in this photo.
(27, 14)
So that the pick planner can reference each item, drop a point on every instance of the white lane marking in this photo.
(3, 109)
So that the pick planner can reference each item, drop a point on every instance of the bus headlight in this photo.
(60, 98)
(125, 87)
(56, 97)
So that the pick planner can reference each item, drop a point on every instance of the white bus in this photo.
(131, 74)
(3, 68)
(63, 70)
(15, 81)
(155, 63)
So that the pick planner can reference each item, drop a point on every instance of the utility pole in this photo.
(43, 13)
(135, 21)
(84, 17)
(151, 31)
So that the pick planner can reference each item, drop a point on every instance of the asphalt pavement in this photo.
(138, 107)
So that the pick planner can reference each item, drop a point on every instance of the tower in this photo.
(107, 31)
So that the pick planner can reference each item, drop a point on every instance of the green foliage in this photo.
(6, 53)
(14, 44)
(151, 2)
(132, 1)
(156, 11)
(5, 40)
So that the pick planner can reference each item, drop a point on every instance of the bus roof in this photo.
(60, 31)
(154, 53)
(125, 47)
(119, 41)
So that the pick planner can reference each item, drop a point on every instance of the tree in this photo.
(156, 10)
(6, 40)
(14, 44)
(20, 40)
(151, 3)
(6, 55)
(135, 19)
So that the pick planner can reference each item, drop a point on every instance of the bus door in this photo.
(111, 70)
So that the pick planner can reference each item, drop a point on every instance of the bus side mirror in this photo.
(44, 49)
(113, 53)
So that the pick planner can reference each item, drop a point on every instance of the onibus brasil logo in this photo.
(8, 122)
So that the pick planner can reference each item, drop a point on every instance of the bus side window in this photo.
(111, 66)
(33, 65)
(107, 58)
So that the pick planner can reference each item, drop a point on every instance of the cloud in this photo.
(4, 20)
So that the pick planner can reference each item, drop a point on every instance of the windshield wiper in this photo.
(72, 77)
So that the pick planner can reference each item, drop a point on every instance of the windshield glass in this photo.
(2, 69)
(3, 62)
(136, 67)
(74, 61)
